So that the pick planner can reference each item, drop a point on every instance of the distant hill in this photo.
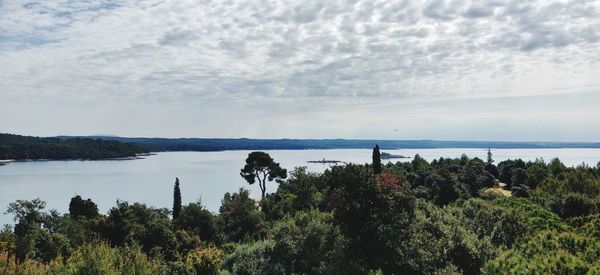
(221, 144)
(27, 147)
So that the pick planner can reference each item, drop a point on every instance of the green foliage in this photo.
(572, 193)
(519, 177)
(346, 220)
(507, 169)
(304, 243)
(206, 260)
(521, 191)
(82, 208)
(506, 221)
(28, 229)
(300, 192)
(475, 176)
(251, 258)
(557, 168)
(176, 199)
(197, 220)
(239, 218)
(374, 218)
(439, 242)
(260, 166)
(187, 241)
(27, 211)
(9, 264)
(51, 245)
(588, 225)
(7, 240)
(536, 217)
(444, 187)
(550, 252)
(26, 147)
(136, 223)
(376, 160)
(99, 258)
(537, 172)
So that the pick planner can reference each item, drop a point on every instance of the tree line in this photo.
(25, 147)
(448, 216)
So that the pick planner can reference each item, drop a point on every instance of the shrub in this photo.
(550, 252)
(250, 258)
(304, 243)
(439, 242)
(9, 264)
(206, 260)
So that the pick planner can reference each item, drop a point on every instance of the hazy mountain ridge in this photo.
(221, 144)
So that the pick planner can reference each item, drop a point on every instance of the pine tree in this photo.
(490, 161)
(176, 199)
(260, 166)
(376, 160)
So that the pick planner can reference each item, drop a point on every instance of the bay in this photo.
(204, 176)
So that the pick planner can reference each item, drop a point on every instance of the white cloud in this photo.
(294, 56)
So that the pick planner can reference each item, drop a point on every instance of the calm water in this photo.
(203, 175)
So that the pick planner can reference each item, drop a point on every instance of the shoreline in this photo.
(138, 156)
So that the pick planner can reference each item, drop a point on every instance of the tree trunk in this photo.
(263, 184)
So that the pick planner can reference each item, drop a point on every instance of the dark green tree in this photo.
(239, 217)
(304, 243)
(176, 199)
(376, 160)
(29, 217)
(79, 207)
(490, 161)
(198, 220)
(519, 177)
(374, 217)
(490, 167)
(259, 165)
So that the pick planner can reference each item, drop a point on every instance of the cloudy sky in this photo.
(452, 70)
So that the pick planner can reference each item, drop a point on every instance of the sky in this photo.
(364, 69)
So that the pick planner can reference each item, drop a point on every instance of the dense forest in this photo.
(220, 144)
(26, 147)
(447, 216)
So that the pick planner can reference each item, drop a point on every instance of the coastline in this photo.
(137, 156)
(6, 161)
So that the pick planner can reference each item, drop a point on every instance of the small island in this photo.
(391, 156)
(325, 161)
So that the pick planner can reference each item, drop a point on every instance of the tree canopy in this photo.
(260, 166)
(445, 216)
(25, 147)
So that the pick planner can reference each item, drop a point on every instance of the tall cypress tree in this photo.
(176, 199)
(376, 160)
(490, 161)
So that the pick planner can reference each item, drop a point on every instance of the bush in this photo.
(550, 252)
(7, 240)
(486, 219)
(85, 208)
(250, 258)
(374, 217)
(9, 264)
(588, 225)
(575, 205)
(197, 220)
(205, 261)
(239, 218)
(439, 242)
(521, 191)
(304, 243)
(99, 258)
